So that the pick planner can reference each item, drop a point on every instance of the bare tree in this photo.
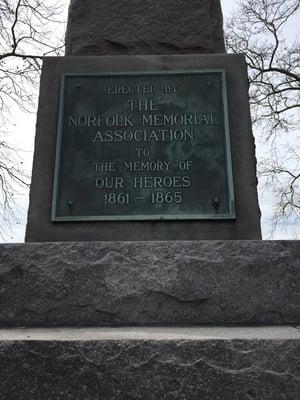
(27, 34)
(260, 30)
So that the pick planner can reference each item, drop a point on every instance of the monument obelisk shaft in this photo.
(112, 27)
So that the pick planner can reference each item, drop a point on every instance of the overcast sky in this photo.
(23, 137)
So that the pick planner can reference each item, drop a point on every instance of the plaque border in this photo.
(154, 217)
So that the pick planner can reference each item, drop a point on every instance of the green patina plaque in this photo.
(142, 146)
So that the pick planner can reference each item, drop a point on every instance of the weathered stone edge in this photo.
(150, 334)
(147, 369)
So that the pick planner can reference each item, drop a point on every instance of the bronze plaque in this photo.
(143, 145)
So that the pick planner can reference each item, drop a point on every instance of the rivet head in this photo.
(215, 203)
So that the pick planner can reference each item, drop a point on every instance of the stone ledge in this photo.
(149, 333)
(150, 283)
(162, 363)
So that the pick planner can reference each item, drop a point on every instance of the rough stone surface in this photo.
(247, 223)
(144, 27)
(150, 283)
(227, 369)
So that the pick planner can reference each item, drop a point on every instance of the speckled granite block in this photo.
(224, 364)
(150, 283)
(144, 27)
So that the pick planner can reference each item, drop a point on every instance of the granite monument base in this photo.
(147, 363)
(150, 283)
(91, 289)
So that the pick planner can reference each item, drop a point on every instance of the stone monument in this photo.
(153, 143)
(143, 150)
